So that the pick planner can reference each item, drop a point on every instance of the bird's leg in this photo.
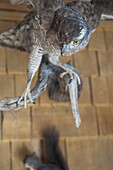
(33, 65)
(69, 69)
(72, 86)
(64, 73)
(26, 94)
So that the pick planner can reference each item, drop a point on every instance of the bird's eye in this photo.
(57, 38)
(76, 42)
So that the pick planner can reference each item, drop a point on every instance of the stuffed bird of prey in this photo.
(56, 29)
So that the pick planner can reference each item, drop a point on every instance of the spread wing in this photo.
(88, 10)
(41, 4)
(42, 10)
(29, 3)
(104, 7)
(45, 9)
(18, 36)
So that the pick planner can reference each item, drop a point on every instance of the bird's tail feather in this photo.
(53, 152)
(105, 7)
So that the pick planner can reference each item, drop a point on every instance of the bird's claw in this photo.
(66, 72)
(71, 76)
(25, 95)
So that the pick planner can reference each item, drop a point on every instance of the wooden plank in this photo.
(20, 84)
(85, 63)
(100, 91)
(8, 6)
(19, 150)
(90, 154)
(105, 118)
(12, 16)
(4, 156)
(2, 61)
(5, 25)
(62, 118)
(106, 63)
(97, 41)
(85, 96)
(17, 125)
(20, 61)
(110, 87)
(6, 86)
(107, 24)
(0, 125)
(109, 38)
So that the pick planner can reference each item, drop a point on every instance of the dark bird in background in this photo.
(55, 28)
(53, 155)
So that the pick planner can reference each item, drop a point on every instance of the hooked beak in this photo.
(63, 49)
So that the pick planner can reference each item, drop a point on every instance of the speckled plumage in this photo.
(105, 8)
(53, 28)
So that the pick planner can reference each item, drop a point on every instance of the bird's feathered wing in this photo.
(87, 9)
(105, 7)
(42, 11)
(18, 36)
(29, 3)
(45, 9)
(38, 4)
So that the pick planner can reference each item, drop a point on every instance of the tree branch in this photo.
(47, 73)
(46, 70)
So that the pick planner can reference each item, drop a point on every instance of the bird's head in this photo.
(72, 30)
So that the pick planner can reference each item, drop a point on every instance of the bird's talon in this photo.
(70, 81)
(63, 74)
(70, 74)
(25, 96)
(17, 104)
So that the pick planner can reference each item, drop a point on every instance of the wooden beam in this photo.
(10, 7)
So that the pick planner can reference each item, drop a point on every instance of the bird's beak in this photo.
(63, 49)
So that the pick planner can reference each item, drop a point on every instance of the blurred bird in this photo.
(54, 157)
(55, 28)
